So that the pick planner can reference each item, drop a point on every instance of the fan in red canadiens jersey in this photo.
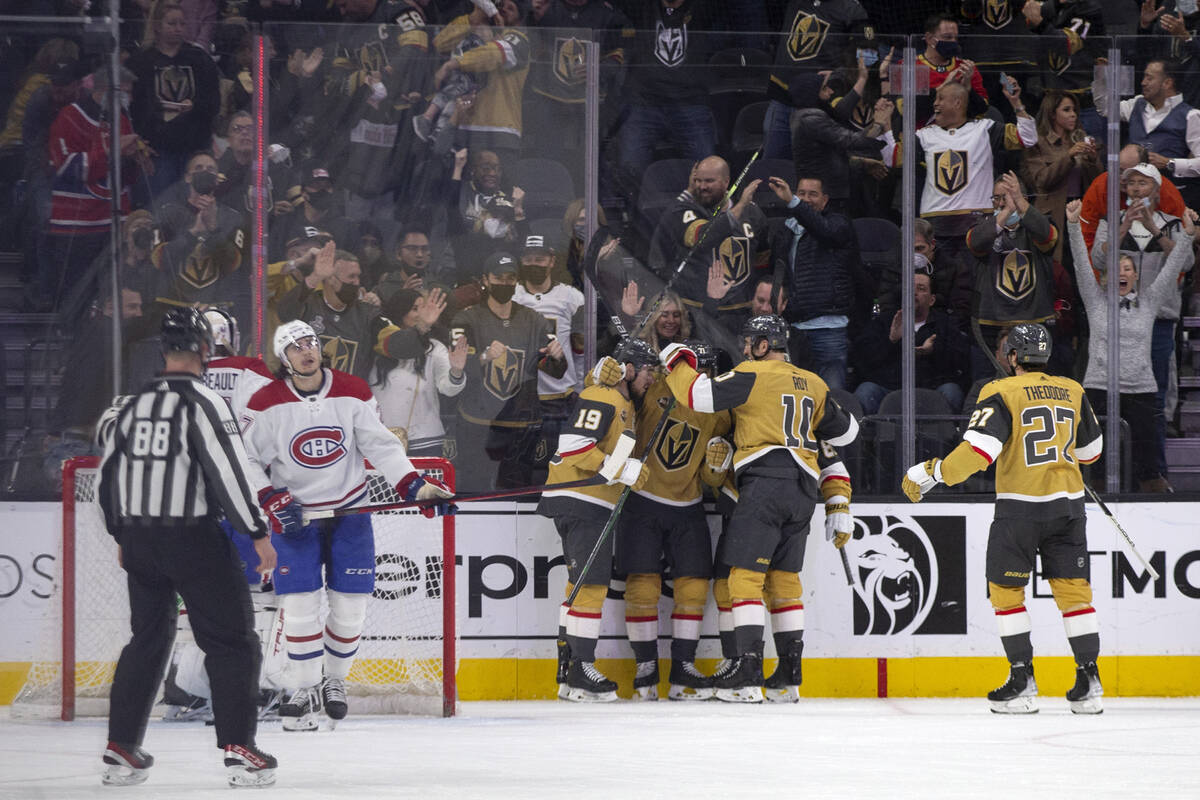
(312, 429)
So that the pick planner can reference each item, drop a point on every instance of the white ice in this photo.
(820, 748)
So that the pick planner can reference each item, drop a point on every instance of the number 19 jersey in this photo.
(1038, 429)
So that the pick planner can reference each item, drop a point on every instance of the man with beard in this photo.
(340, 311)
(412, 260)
(1037, 429)
(732, 233)
(499, 414)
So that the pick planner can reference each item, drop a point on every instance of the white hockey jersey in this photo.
(561, 305)
(314, 445)
(236, 379)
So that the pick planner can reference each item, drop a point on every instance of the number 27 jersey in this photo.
(1038, 429)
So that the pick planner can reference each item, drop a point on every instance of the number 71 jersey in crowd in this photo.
(314, 445)
(1038, 429)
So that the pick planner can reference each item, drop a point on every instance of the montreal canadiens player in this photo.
(310, 430)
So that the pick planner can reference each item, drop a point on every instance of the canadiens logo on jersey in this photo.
(734, 253)
(950, 171)
(806, 36)
(670, 44)
(340, 352)
(569, 57)
(502, 376)
(318, 447)
(996, 13)
(174, 84)
(676, 444)
(1016, 279)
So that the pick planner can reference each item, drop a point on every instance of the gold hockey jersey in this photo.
(676, 458)
(775, 406)
(601, 414)
(1038, 429)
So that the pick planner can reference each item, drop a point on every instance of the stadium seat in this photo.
(878, 246)
(852, 454)
(547, 185)
(747, 133)
(661, 184)
(739, 70)
(937, 433)
(764, 198)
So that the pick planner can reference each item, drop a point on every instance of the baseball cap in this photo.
(310, 235)
(315, 171)
(536, 241)
(1149, 170)
(499, 264)
(65, 73)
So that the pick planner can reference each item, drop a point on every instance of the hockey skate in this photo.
(183, 706)
(743, 682)
(1018, 695)
(586, 684)
(125, 765)
(268, 704)
(564, 665)
(246, 765)
(333, 696)
(645, 681)
(689, 683)
(301, 711)
(783, 686)
(1084, 696)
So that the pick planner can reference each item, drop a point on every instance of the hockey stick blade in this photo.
(1128, 540)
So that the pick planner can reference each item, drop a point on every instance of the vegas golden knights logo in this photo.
(950, 171)
(340, 352)
(996, 13)
(806, 37)
(503, 375)
(674, 448)
(371, 57)
(569, 56)
(200, 270)
(734, 253)
(174, 84)
(670, 44)
(1058, 62)
(1016, 279)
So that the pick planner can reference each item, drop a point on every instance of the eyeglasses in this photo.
(241, 128)
(416, 248)
(998, 198)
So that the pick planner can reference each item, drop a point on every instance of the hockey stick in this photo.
(1095, 497)
(616, 512)
(846, 566)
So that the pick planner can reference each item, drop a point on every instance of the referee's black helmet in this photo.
(186, 330)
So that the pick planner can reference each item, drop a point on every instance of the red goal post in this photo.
(407, 656)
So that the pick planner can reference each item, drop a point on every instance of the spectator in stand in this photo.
(952, 283)
(1072, 40)
(316, 209)
(499, 415)
(204, 246)
(1014, 279)
(1164, 124)
(408, 389)
(482, 217)
(339, 310)
(941, 351)
(236, 167)
(1148, 235)
(941, 55)
(368, 246)
(1156, 24)
(1095, 200)
(813, 250)
(411, 265)
(665, 96)
(822, 144)
(1063, 163)
(1140, 301)
(670, 322)
(815, 34)
(495, 118)
(177, 94)
(80, 205)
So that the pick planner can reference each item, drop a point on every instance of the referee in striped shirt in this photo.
(173, 463)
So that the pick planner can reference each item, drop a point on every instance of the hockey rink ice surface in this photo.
(820, 748)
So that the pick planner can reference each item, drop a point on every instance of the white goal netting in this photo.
(406, 658)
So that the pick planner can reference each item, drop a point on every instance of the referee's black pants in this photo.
(198, 562)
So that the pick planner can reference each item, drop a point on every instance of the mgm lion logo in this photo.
(675, 446)
(1016, 279)
(340, 352)
(734, 254)
(569, 57)
(902, 582)
(950, 172)
(502, 377)
(806, 37)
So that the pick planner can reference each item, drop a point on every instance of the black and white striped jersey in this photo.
(175, 456)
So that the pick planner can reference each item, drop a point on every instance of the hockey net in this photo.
(407, 655)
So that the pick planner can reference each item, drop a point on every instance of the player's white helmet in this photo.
(290, 333)
(224, 330)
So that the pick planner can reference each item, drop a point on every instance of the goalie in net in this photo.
(311, 430)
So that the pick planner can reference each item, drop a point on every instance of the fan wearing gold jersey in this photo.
(590, 443)
(781, 413)
(665, 518)
(1038, 429)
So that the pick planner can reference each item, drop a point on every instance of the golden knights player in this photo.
(665, 518)
(590, 444)
(781, 413)
(1038, 429)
